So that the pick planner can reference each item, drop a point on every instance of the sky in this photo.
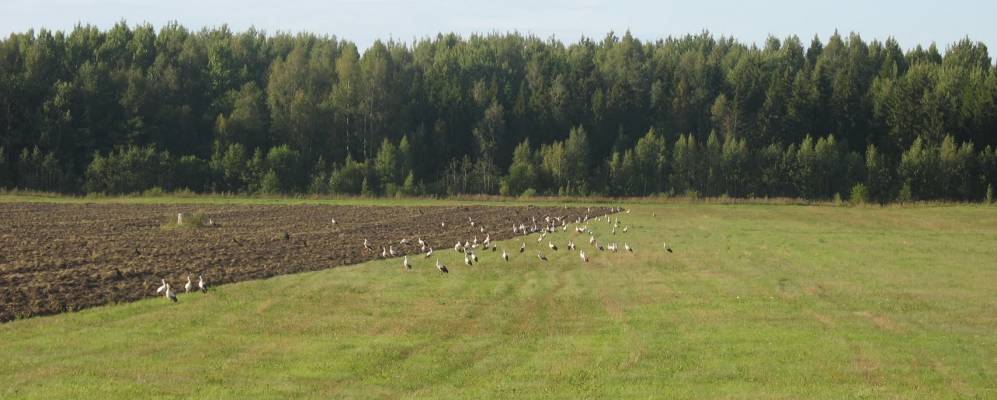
(911, 22)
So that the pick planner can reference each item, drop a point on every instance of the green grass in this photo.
(758, 301)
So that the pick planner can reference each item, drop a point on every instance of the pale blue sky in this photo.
(912, 22)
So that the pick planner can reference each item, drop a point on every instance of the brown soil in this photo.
(66, 257)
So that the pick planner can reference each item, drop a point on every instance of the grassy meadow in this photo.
(757, 301)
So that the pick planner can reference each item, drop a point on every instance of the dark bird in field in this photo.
(441, 267)
(286, 236)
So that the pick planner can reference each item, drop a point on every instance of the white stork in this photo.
(170, 294)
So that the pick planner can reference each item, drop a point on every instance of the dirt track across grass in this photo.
(67, 257)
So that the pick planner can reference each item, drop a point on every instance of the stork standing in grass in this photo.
(505, 256)
(668, 247)
(522, 247)
(442, 268)
(161, 287)
(584, 257)
(429, 253)
(627, 247)
(188, 286)
(541, 256)
(406, 264)
(170, 294)
(201, 284)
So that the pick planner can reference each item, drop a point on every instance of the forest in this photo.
(132, 109)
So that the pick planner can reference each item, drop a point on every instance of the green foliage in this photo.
(286, 164)
(387, 164)
(270, 182)
(920, 171)
(190, 172)
(5, 174)
(350, 178)
(231, 166)
(576, 161)
(320, 178)
(130, 170)
(523, 170)
(687, 171)
(651, 160)
(365, 188)
(410, 188)
(37, 170)
(906, 194)
(699, 113)
(859, 194)
(879, 176)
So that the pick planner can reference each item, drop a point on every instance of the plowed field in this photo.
(66, 257)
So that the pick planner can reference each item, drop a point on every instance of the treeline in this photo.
(133, 108)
